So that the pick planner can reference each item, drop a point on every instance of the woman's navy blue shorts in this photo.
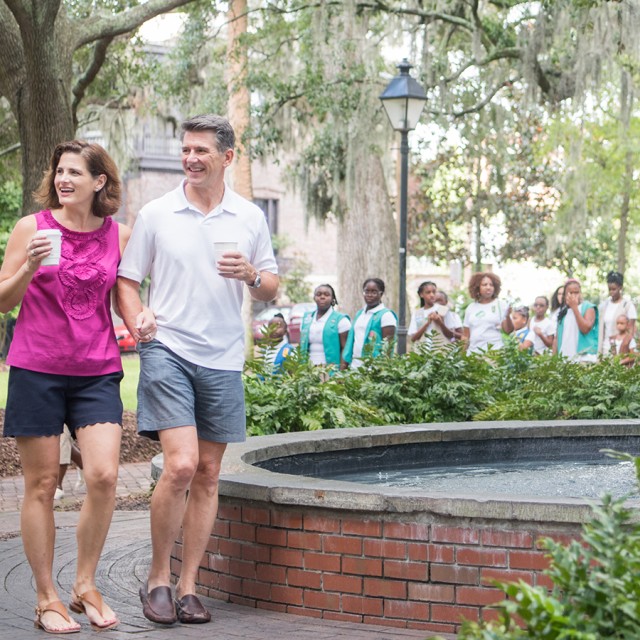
(39, 404)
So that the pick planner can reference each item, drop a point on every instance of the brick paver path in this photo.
(123, 568)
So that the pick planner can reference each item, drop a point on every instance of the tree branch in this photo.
(9, 149)
(90, 73)
(92, 29)
(478, 106)
(512, 52)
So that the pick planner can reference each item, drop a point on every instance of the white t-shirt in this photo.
(316, 346)
(553, 317)
(360, 326)
(456, 323)
(547, 328)
(198, 312)
(612, 310)
(420, 316)
(524, 335)
(632, 345)
(484, 322)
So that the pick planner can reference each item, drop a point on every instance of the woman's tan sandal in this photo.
(92, 597)
(56, 607)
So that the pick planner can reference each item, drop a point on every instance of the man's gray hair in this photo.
(225, 137)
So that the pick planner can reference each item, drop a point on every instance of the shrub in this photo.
(438, 386)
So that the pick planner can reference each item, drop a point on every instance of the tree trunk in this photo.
(626, 104)
(367, 236)
(38, 86)
(239, 99)
(624, 212)
(239, 113)
(41, 125)
(37, 43)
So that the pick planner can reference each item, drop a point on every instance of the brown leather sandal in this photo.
(93, 598)
(57, 607)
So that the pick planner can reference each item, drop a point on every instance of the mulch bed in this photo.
(133, 447)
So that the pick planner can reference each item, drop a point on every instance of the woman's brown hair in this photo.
(477, 278)
(107, 201)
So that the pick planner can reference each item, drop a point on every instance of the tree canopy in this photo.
(39, 75)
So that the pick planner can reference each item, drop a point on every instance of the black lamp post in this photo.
(403, 100)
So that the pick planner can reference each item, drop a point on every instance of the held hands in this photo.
(38, 248)
(234, 266)
(435, 317)
(145, 328)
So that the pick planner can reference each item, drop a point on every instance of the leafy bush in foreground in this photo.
(443, 386)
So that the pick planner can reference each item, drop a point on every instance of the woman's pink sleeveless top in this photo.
(64, 325)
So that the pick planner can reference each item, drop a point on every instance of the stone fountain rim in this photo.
(241, 479)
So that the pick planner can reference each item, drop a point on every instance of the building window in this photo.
(270, 210)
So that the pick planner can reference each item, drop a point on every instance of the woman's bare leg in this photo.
(40, 458)
(100, 446)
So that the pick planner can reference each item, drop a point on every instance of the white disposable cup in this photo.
(55, 235)
(220, 248)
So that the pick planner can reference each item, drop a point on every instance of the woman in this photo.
(323, 333)
(431, 319)
(577, 334)
(557, 298)
(66, 367)
(611, 309)
(373, 326)
(487, 317)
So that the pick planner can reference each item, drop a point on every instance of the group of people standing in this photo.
(568, 325)
(66, 367)
(330, 338)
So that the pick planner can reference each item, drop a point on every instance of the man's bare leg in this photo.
(200, 514)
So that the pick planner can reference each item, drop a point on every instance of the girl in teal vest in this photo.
(577, 333)
(276, 354)
(323, 332)
(373, 325)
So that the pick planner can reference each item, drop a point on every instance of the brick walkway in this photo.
(123, 567)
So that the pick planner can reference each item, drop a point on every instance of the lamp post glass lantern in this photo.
(403, 101)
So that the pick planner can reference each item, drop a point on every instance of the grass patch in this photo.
(131, 366)
(129, 384)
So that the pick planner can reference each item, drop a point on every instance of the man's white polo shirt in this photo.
(198, 312)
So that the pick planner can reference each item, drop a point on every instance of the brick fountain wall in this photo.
(424, 575)
(386, 556)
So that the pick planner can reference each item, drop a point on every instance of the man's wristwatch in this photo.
(257, 282)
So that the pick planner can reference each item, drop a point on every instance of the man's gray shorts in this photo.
(173, 392)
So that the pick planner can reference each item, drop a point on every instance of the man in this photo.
(190, 394)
